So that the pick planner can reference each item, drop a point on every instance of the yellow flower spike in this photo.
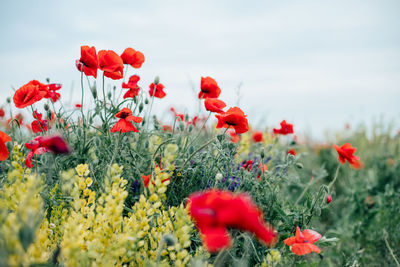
(87, 192)
(88, 181)
(82, 170)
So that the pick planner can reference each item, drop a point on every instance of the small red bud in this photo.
(328, 199)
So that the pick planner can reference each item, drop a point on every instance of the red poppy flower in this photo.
(286, 128)
(216, 210)
(233, 117)
(248, 165)
(209, 88)
(146, 180)
(257, 137)
(132, 86)
(234, 137)
(181, 116)
(132, 57)
(292, 152)
(53, 87)
(88, 61)
(29, 94)
(4, 138)
(328, 199)
(2, 113)
(214, 105)
(38, 124)
(261, 169)
(111, 64)
(167, 128)
(303, 242)
(124, 123)
(78, 106)
(346, 152)
(158, 92)
(41, 145)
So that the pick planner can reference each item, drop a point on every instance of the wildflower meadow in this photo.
(106, 182)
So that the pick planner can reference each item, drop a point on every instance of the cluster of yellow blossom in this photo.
(272, 258)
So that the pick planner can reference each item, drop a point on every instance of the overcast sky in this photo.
(317, 64)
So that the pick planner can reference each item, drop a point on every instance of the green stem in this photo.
(334, 178)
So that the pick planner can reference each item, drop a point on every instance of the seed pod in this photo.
(141, 106)
(156, 80)
(146, 101)
(94, 92)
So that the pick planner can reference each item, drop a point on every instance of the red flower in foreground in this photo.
(292, 152)
(157, 90)
(132, 86)
(146, 180)
(346, 152)
(286, 128)
(88, 62)
(41, 145)
(257, 137)
(124, 123)
(39, 125)
(233, 117)
(303, 242)
(215, 210)
(29, 94)
(214, 105)
(4, 138)
(111, 64)
(209, 88)
(132, 57)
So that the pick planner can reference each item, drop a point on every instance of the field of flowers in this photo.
(113, 185)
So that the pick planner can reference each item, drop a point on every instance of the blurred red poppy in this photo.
(4, 138)
(209, 88)
(88, 62)
(52, 94)
(234, 137)
(286, 128)
(111, 64)
(233, 117)
(346, 152)
(132, 86)
(216, 210)
(258, 137)
(303, 242)
(29, 94)
(39, 125)
(132, 57)
(157, 90)
(2, 113)
(41, 145)
(124, 123)
(214, 105)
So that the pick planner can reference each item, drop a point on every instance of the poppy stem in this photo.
(104, 104)
(334, 178)
(198, 134)
(385, 234)
(149, 111)
(83, 115)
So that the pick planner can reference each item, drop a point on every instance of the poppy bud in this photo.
(79, 132)
(156, 80)
(328, 199)
(8, 100)
(146, 101)
(181, 126)
(97, 142)
(47, 80)
(186, 117)
(46, 107)
(262, 154)
(299, 165)
(109, 95)
(141, 106)
(146, 144)
(143, 121)
(220, 137)
(135, 99)
(48, 114)
(191, 149)
(190, 128)
(94, 92)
